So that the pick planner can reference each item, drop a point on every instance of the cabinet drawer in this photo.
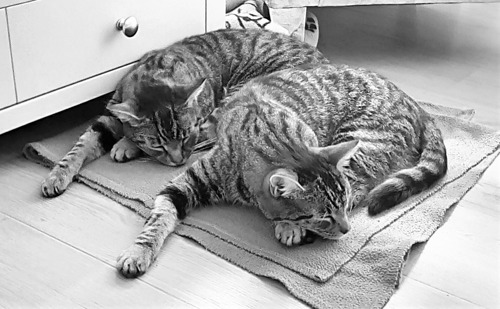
(60, 42)
(7, 90)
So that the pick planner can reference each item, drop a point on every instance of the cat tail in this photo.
(401, 185)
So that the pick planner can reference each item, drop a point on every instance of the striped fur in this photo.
(334, 137)
(159, 104)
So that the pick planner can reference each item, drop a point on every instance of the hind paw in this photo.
(124, 150)
(134, 261)
(289, 234)
(56, 183)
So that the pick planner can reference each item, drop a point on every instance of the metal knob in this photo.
(129, 26)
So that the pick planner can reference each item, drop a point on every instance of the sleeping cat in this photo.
(305, 146)
(159, 104)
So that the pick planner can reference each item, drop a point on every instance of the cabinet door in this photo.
(7, 90)
(59, 42)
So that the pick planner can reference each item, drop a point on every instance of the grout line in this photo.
(17, 4)
(92, 256)
(443, 291)
(491, 185)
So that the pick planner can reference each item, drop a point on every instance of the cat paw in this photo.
(124, 150)
(134, 261)
(289, 234)
(374, 207)
(56, 183)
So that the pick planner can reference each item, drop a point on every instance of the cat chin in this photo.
(165, 160)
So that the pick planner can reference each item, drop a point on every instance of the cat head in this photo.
(312, 190)
(164, 118)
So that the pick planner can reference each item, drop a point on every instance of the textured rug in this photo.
(361, 270)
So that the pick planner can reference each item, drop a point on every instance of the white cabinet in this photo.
(70, 40)
(65, 52)
(7, 89)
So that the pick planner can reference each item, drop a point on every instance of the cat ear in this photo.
(196, 94)
(283, 182)
(124, 111)
(181, 92)
(210, 124)
(339, 154)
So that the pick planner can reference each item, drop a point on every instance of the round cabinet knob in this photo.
(129, 26)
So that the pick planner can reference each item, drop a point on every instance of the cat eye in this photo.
(145, 136)
(156, 145)
(299, 218)
(138, 141)
(187, 136)
(325, 223)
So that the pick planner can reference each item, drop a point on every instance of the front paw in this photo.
(124, 150)
(134, 261)
(56, 183)
(289, 234)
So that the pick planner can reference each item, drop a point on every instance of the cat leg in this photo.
(359, 191)
(125, 150)
(208, 132)
(187, 191)
(162, 221)
(358, 195)
(97, 140)
(288, 233)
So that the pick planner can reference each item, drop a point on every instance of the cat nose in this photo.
(176, 157)
(177, 162)
(167, 160)
(344, 228)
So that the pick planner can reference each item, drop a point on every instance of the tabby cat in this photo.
(305, 146)
(159, 104)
